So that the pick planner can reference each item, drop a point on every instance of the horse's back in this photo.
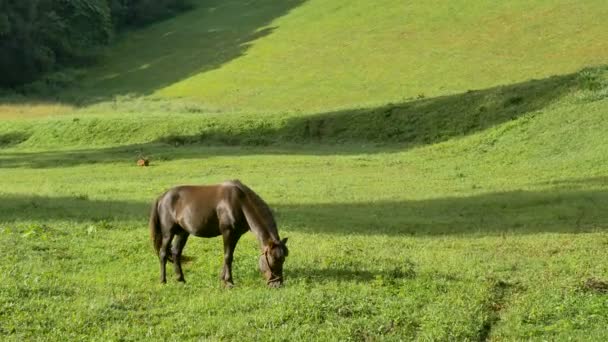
(200, 209)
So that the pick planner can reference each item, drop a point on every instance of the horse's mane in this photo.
(260, 208)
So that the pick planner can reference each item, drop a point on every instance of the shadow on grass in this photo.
(77, 208)
(319, 274)
(411, 123)
(429, 121)
(12, 138)
(53, 159)
(519, 212)
(314, 274)
(159, 153)
(211, 34)
(387, 129)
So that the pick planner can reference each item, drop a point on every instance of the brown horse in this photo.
(229, 209)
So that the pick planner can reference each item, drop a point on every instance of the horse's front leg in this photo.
(230, 240)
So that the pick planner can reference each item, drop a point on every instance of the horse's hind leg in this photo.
(181, 238)
(164, 254)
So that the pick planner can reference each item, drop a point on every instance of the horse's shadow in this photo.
(332, 274)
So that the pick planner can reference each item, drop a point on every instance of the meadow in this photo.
(440, 174)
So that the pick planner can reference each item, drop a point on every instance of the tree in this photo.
(38, 36)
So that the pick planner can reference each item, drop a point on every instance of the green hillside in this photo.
(316, 56)
(440, 170)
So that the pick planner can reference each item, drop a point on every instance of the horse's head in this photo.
(271, 262)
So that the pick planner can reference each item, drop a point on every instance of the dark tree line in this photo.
(38, 36)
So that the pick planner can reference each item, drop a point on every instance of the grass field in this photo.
(441, 175)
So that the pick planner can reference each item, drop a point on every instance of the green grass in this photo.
(488, 235)
(440, 173)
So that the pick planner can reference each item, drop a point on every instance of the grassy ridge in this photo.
(416, 122)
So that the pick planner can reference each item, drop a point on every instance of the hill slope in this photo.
(316, 56)
(577, 99)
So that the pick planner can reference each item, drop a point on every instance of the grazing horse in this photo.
(229, 209)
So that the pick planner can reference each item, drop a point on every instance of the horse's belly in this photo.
(207, 232)
(202, 226)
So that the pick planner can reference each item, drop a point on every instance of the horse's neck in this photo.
(264, 235)
(264, 232)
(264, 239)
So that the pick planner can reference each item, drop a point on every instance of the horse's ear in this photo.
(284, 244)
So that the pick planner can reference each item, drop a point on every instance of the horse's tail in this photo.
(155, 233)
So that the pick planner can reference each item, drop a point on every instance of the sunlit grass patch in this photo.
(26, 109)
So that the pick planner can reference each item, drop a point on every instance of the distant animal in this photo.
(229, 209)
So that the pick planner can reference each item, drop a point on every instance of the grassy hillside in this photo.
(317, 56)
(139, 123)
(440, 173)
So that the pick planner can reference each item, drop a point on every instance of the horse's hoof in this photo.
(228, 285)
(275, 285)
